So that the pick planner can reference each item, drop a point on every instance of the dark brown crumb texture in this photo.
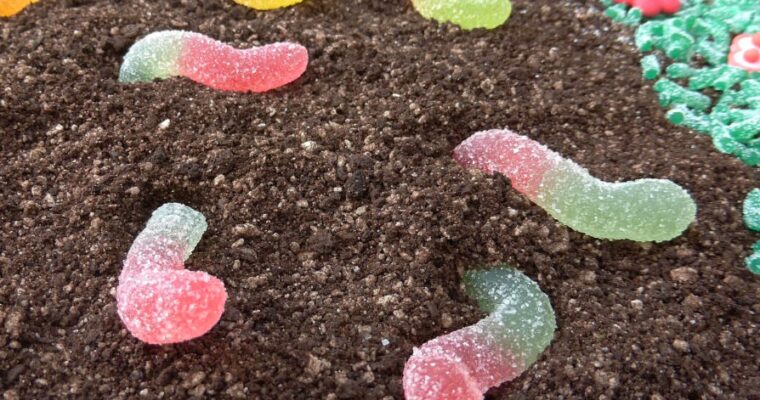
(337, 218)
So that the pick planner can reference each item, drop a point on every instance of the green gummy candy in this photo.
(178, 223)
(681, 115)
(725, 143)
(750, 156)
(468, 14)
(714, 28)
(705, 77)
(672, 93)
(711, 52)
(650, 67)
(617, 12)
(154, 57)
(752, 210)
(633, 17)
(753, 263)
(745, 130)
(729, 77)
(680, 70)
(641, 210)
(521, 315)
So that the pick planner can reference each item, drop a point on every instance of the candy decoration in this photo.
(267, 4)
(158, 300)
(752, 220)
(745, 52)
(752, 210)
(468, 14)
(464, 364)
(652, 8)
(753, 261)
(178, 53)
(650, 67)
(13, 7)
(698, 38)
(641, 210)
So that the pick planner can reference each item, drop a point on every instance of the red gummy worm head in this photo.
(521, 159)
(170, 306)
(438, 378)
(259, 69)
(460, 365)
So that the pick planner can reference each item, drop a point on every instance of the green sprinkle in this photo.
(651, 67)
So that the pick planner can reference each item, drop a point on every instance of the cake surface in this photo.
(338, 220)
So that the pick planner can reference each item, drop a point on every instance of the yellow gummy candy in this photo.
(267, 4)
(13, 7)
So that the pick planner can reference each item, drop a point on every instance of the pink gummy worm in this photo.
(259, 69)
(159, 301)
(524, 161)
(461, 365)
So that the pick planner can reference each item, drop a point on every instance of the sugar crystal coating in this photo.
(207, 61)
(12, 7)
(641, 210)
(468, 14)
(465, 363)
(267, 4)
(158, 300)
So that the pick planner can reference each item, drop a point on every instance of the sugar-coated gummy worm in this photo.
(13, 7)
(267, 4)
(641, 210)
(204, 60)
(158, 300)
(468, 14)
(465, 363)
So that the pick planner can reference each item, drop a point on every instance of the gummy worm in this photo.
(158, 300)
(465, 363)
(641, 210)
(468, 14)
(267, 4)
(213, 63)
(13, 7)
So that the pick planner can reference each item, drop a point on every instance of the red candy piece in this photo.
(752, 55)
(670, 6)
(259, 69)
(652, 8)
